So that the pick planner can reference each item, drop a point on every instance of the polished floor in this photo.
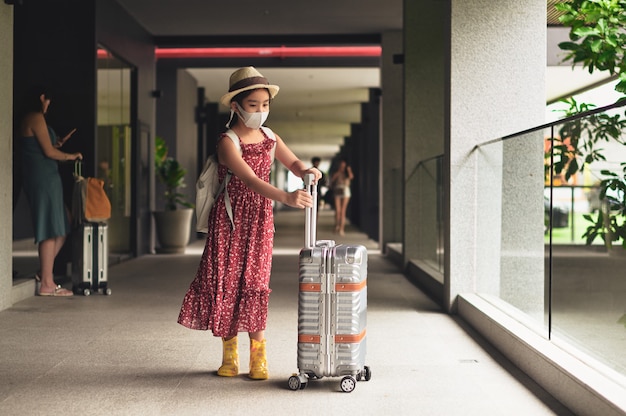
(124, 354)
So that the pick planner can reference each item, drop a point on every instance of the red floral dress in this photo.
(230, 293)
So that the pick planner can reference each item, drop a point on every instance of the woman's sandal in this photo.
(58, 291)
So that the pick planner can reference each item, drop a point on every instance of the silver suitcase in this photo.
(332, 309)
(90, 259)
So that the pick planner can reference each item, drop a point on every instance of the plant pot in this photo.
(173, 229)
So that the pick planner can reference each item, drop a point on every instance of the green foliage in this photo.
(171, 174)
(576, 146)
(598, 42)
(578, 141)
(610, 221)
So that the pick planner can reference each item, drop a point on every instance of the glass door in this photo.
(113, 146)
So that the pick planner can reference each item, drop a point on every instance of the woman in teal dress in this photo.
(40, 151)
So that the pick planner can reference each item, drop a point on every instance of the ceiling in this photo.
(316, 105)
(254, 17)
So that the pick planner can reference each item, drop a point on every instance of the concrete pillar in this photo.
(475, 71)
(364, 158)
(6, 154)
(425, 102)
(392, 129)
(186, 131)
(177, 124)
(497, 61)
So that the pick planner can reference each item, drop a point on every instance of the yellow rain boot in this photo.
(230, 358)
(258, 360)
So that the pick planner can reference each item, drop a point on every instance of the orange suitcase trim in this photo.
(310, 287)
(309, 339)
(339, 339)
(349, 339)
(350, 287)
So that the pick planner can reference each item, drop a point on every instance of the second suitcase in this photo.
(332, 310)
(90, 259)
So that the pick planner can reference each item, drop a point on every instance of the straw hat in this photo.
(245, 79)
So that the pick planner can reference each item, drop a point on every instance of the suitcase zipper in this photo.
(329, 307)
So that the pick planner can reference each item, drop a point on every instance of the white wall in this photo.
(6, 154)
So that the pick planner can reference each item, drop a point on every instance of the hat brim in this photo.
(227, 98)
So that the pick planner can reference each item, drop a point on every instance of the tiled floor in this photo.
(125, 354)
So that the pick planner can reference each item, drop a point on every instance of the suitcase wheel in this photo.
(86, 292)
(348, 383)
(295, 383)
(367, 373)
(102, 288)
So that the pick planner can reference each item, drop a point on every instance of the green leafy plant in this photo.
(610, 222)
(172, 175)
(597, 37)
(578, 140)
(578, 145)
(598, 42)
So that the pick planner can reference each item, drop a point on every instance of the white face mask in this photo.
(253, 120)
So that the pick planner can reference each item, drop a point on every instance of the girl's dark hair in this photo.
(239, 100)
(242, 96)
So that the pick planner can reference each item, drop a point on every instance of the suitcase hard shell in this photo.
(90, 259)
(332, 310)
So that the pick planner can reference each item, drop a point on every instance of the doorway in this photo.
(113, 147)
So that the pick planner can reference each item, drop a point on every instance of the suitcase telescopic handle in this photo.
(310, 214)
(78, 168)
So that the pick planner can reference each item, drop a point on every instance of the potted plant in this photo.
(173, 224)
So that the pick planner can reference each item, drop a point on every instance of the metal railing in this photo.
(533, 258)
(427, 178)
(544, 269)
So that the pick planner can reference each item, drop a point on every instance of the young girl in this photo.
(230, 293)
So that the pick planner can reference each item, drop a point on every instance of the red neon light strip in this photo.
(275, 52)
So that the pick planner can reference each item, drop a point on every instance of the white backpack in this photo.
(208, 186)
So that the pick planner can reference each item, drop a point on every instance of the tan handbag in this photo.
(97, 204)
(90, 202)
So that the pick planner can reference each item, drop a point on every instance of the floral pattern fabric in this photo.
(230, 292)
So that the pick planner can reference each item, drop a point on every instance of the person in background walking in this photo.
(340, 183)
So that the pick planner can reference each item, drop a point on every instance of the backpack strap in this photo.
(269, 133)
(224, 185)
(233, 136)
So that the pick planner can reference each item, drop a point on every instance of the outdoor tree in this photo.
(598, 43)
(597, 35)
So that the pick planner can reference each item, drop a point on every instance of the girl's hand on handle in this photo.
(299, 199)
(315, 172)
